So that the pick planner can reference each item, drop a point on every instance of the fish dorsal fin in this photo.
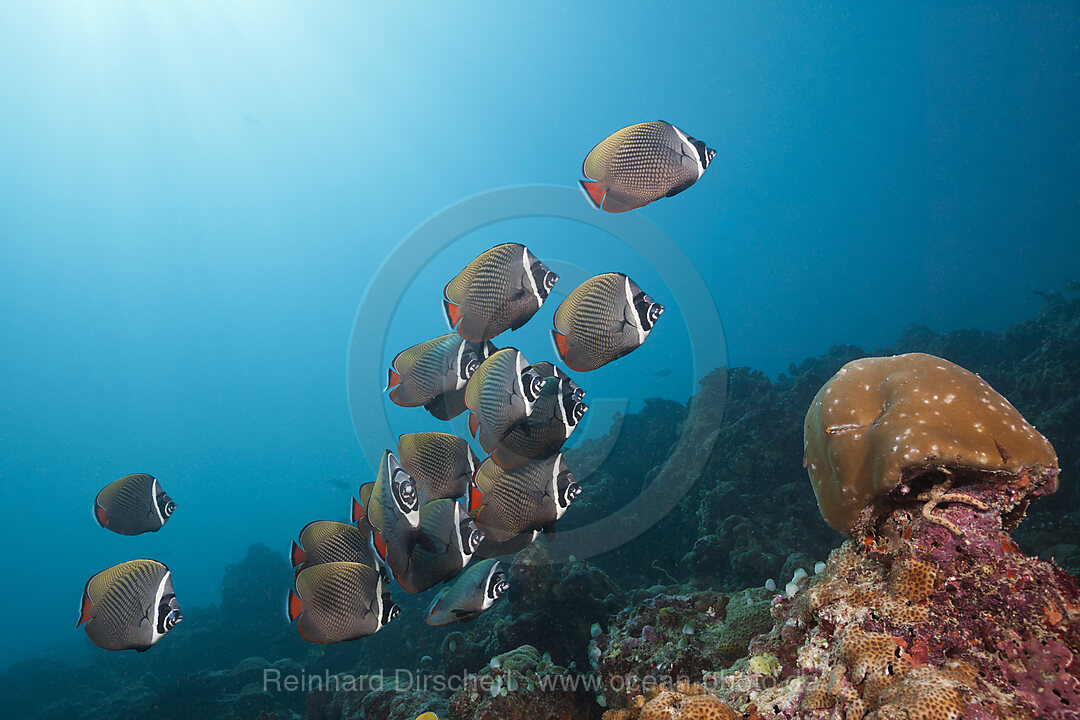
(455, 291)
(365, 493)
(483, 481)
(595, 166)
(372, 510)
(315, 531)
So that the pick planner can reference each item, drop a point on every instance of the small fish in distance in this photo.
(501, 394)
(434, 374)
(442, 464)
(603, 319)
(643, 163)
(456, 538)
(133, 505)
(129, 606)
(391, 506)
(526, 499)
(340, 601)
(474, 591)
(325, 541)
(500, 290)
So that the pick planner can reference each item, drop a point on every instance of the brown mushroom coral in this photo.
(880, 424)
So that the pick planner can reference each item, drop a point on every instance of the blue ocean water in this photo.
(194, 199)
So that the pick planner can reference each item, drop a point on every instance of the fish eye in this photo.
(406, 493)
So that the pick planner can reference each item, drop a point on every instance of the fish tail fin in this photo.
(297, 555)
(562, 344)
(453, 313)
(296, 605)
(474, 424)
(358, 511)
(380, 543)
(101, 516)
(476, 500)
(594, 192)
(393, 379)
(86, 610)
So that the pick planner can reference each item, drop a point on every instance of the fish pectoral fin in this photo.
(615, 204)
(679, 188)
(461, 613)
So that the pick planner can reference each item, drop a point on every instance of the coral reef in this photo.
(684, 701)
(522, 685)
(674, 638)
(880, 425)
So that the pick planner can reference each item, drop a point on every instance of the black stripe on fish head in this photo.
(168, 613)
(470, 536)
(571, 409)
(468, 361)
(648, 311)
(705, 154)
(165, 504)
(388, 610)
(543, 279)
(566, 487)
(496, 585)
(532, 383)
